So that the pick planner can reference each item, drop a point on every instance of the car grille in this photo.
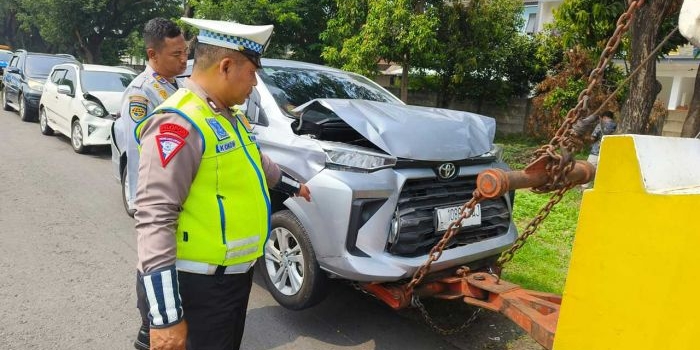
(416, 207)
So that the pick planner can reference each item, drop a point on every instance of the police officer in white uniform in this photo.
(167, 52)
(167, 57)
(202, 202)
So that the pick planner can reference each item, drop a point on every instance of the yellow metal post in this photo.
(634, 276)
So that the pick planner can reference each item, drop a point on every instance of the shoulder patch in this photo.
(138, 108)
(218, 129)
(170, 128)
(163, 93)
(168, 146)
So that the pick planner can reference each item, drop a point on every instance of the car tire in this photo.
(76, 137)
(125, 193)
(44, 123)
(5, 106)
(290, 270)
(23, 113)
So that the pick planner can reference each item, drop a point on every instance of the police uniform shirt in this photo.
(159, 202)
(146, 91)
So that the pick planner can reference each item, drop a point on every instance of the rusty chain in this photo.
(565, 140)
(439, 329)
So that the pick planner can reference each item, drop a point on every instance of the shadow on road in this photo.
(350, 318)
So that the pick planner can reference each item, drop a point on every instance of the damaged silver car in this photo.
(386, 181)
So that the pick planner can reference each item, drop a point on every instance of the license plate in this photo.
(445, 216)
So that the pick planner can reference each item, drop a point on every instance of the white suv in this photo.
(81, 101)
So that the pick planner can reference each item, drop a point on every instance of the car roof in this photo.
(103, 68)
(94, 67)
(273, 62)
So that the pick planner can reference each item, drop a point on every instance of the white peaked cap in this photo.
(232, 35)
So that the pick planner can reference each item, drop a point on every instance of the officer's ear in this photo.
(150, 53)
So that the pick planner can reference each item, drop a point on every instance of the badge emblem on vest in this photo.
(218, 129)
(225, 147)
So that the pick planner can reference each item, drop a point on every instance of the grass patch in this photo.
(542, 263)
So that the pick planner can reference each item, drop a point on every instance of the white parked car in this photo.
(81, 101)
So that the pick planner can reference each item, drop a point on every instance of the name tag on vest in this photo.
(225, 147)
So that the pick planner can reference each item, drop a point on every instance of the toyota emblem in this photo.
(447, 171)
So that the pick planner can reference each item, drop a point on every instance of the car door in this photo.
(65, 102)
(11, 81)
(50, 94)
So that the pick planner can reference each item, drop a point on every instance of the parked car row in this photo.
(78, 100)
(386, 178)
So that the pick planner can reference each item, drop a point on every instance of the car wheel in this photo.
(5, 106)
(44, 123)
(23, 114)
(289, 266)
(76, 137)
(126, 193)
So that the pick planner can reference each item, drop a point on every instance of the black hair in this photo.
(157, 30)
(206, 55)
(608, 114)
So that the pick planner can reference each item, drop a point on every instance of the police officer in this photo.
(167, 57)
(202, 203)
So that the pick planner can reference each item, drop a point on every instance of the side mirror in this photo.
(64, 89)
(12, 70)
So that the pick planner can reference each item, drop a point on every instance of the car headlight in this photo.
(94, 108)
(349, 158)
(35, 84)
(495, 152)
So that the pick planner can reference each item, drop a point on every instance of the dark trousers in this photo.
(214, 308)
(142, 301)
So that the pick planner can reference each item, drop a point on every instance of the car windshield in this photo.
(5, 56)
(40, 66)
(106, 81)
(292, 87)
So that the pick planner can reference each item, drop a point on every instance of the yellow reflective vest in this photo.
(225, 218)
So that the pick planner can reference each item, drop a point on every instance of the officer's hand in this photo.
(170, 338)
(304, 192)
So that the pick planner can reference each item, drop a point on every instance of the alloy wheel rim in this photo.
(42, 120)
(21, 106)
(127, 191)
(77, 136)
(284, 261)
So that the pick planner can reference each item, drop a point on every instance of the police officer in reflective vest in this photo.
(202, 203)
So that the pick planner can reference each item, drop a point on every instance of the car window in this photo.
(292, 87)
(57, 75)
(252, 110)
(105, 81)
(13, 62)
(70, 80)
(39, 66)
(20, 61)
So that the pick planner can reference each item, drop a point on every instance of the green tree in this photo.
(11, 33)
(589, 23)
(83, 26)
(364, 32)
(298, 23)
(482, 55)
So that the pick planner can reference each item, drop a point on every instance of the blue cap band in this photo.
(230, 41)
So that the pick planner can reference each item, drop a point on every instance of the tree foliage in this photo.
(94, 30)
(364, 32)
(482, 54)
(298, 23)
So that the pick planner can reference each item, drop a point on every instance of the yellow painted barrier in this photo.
(634, 276)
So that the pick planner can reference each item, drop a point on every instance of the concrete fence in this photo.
(510, 117)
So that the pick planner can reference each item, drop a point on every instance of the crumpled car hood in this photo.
(111, 100)
(413, 132)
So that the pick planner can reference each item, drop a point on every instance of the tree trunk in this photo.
(691, 126)
(643, 87)
(404, 78)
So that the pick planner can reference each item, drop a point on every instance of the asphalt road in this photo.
(67, 270)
